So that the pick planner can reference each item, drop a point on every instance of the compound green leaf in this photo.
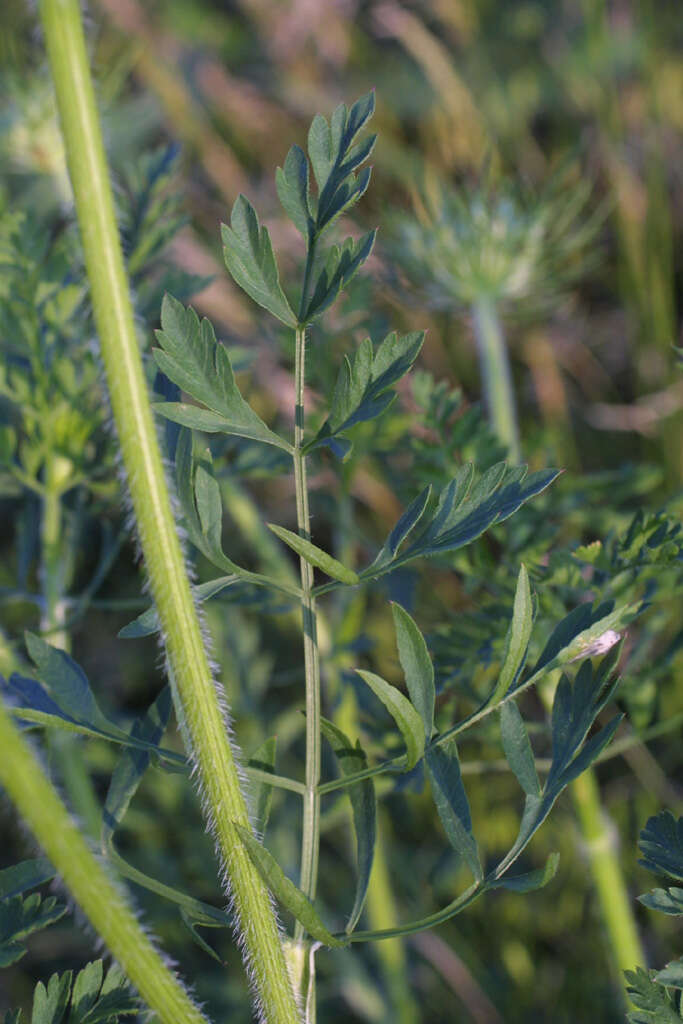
(402, 711)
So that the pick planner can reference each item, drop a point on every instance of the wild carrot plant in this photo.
(365, 738)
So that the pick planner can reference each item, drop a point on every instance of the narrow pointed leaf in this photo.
(133, 763)
(25, 875)
(531, 880)
(417, 666)
(147, 623)
(661, 843)
(352, 759)
(68, 685)
(261, 793)
(285, 892)
(517, 748)
(315, 556)
(517, 642)
(443, 768)
(402, 711)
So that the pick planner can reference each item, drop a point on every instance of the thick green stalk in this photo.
(196, 697)
(101, 902)
(615, 903)
(311, 800)
(499, 396)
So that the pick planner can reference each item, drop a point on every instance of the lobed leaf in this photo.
(20, 917)
(575, 709)
(363, 389)
(465, 509)
(191, 357)
(65, 698)
(284, 891)
(402, 711)
(653, 1003)
(335, 157)
(341, 265)
(249, 257)
(661, 843)
(93, 998)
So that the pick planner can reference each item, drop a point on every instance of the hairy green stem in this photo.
(101, 902)
(197, 701)
(310, 839)
(616, 905)
(499, 396)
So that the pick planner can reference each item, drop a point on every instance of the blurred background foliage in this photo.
(518, 109)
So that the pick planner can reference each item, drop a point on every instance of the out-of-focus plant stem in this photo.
(616, 905)
(496, 376)
(98, 898)
(64, 748)
(195, 693)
